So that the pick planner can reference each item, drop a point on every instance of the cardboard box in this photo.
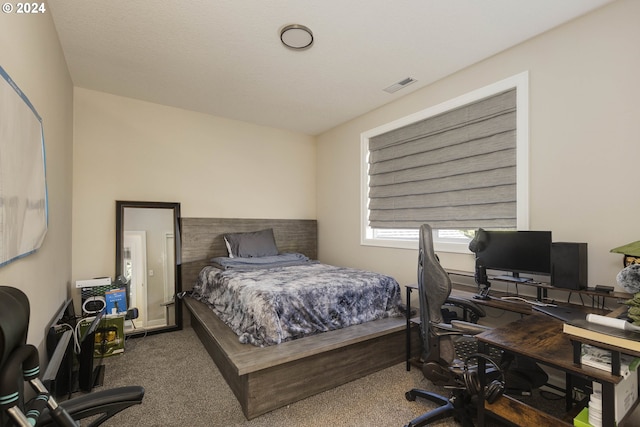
(116, 301)
(626, 394)
(109, 336)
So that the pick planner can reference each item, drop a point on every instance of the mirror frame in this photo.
(121, 205)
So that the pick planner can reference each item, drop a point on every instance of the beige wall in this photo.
(584, 111)
(125, 149)
(31, 55)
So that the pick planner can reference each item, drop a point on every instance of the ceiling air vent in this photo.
(399, 85)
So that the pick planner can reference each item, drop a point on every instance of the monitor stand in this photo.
(515, 277)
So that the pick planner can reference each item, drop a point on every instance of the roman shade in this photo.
(453, 170)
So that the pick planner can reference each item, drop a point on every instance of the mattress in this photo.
(275, 304)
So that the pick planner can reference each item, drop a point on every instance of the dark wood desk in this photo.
(543, 289)
(540, 337)
(493, 302)
(516, 306)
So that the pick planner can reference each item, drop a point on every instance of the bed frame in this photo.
(264, 379)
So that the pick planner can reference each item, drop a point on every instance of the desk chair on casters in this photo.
(19, 362)
(441, 363)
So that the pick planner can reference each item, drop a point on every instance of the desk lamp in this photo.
(476, 245)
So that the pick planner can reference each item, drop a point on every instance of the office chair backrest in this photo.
(14, 320)
(434, 287)
(433, 280)
(19, 363)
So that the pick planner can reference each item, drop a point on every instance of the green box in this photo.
(582, 420)
(109, 336)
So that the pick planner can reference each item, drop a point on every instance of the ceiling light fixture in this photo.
(297, 37)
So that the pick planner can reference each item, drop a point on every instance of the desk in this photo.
(494, 302)
(543, 289)
(516, 306)
(542, 339)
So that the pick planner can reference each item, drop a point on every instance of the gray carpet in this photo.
(184, 387)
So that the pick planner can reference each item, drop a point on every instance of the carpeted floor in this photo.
(184, 387)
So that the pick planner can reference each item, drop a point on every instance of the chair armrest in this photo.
(458, 327)
(467, 328)
(476, 311)
(444, 329)
(104, 404)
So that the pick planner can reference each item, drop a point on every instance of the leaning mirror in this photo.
(148, 263)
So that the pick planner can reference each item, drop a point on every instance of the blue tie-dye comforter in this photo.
(274, 305)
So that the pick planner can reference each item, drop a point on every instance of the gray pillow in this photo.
(250, 245)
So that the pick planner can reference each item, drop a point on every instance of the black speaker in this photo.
(569, 265)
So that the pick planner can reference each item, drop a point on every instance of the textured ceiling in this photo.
(225, 57)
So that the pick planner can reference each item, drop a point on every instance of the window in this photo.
(459, 165)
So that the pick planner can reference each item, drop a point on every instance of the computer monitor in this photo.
(516, 252)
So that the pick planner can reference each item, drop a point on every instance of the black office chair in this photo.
(19, 362)
(443, 344)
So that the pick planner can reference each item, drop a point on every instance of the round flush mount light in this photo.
(297, 37)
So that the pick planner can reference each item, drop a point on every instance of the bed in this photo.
(270, 375)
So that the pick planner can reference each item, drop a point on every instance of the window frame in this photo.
(521, 83)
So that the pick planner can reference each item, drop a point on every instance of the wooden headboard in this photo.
(202, 239)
